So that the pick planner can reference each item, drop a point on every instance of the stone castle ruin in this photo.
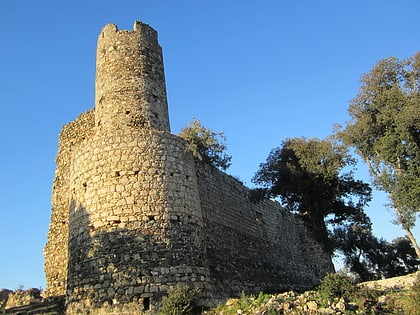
(134, 214)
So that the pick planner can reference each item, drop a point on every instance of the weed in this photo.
(179, 301)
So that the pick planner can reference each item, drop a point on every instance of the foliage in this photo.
(337, 285)
(360, 249)
(372, 258)
(385, 131)
(206, 145)
(308, 176)
(245, 304)
(341, 287)
(404, 256)
(179, 301)
(337, 294)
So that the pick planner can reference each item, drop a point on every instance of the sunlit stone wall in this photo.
(134, 214)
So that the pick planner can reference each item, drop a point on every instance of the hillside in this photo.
(399, 295)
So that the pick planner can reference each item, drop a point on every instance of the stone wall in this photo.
(135, 214)
(29, 302)
(130, 80)
(134, 225)
(254, 247)
(56, 249)
(22, 297)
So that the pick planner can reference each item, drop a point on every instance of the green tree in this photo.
(372, 258)
(308, 175)
(206, 145)
(358, 245)
(403, 258)
(385, 131)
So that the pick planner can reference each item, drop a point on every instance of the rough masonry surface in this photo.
(134, 214)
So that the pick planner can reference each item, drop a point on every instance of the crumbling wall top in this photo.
(130, 80)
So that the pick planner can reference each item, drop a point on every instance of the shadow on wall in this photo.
(123, 262)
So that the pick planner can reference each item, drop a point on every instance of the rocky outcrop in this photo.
(395, 283)
(29, 302)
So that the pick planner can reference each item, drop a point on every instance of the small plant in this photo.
(337, 285)
(244, 301)
(262, 298)
(179, 301)
(206, 145)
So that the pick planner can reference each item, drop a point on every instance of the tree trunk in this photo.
(408, 233)
(413, 241)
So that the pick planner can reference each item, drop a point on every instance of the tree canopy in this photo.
(309, 177)
(206, 145)
(372, 258)
(385, 131)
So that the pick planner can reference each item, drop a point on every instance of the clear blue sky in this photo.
(260, 71)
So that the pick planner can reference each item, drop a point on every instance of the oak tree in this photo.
(311, 177)
(372, 258)
(385, 131)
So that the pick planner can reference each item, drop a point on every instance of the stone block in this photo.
(138, 289)
(113, 218)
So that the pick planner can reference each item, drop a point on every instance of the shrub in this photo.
(179, 301)
(337, 285)
(206, 145)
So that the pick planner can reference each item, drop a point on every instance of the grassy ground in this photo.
(336, 295)
(311, 302)
(343, 298)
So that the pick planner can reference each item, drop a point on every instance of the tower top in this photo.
(130, 80)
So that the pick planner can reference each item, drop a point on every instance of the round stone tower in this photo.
(135, 222)
(130, 81)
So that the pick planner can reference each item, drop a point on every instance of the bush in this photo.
(337, 285)
(179, 301)
(206, 145)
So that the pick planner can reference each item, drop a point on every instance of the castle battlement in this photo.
(133, 213)
(130, 80)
